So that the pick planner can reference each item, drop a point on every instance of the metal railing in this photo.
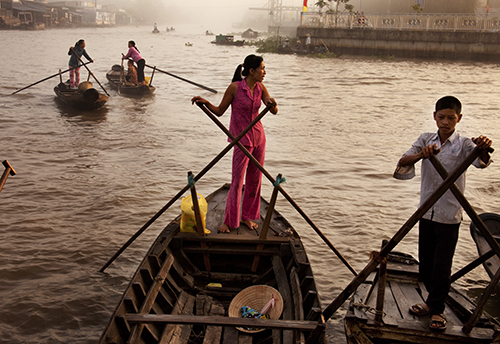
(407, 21)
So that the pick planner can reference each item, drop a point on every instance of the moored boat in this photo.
(85, 97)
(113, 76)
(183, 290)
(492, 222)
(227, 40)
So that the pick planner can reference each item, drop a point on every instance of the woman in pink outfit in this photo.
(133, 53)
(245, 97)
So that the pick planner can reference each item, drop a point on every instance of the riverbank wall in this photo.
(429, 44)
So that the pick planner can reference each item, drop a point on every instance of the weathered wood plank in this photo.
(284, 289)
(181, 333)
(220, 321)
(403, 303)
(450, 316)
(178, 308)
(266, 251)
(230, 335)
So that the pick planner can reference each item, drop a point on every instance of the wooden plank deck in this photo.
(399, 325)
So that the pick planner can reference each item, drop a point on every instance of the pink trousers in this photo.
(253, 179)
(74, 76)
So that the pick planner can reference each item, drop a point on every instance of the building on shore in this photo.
(29, 14)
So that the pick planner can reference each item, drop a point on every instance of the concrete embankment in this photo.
(455, 45)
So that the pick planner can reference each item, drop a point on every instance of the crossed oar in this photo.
(188, 186)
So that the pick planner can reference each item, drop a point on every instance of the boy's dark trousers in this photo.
(436, 247)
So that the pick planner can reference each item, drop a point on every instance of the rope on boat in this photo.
(279, 180)
(368, 309)
(191, 180)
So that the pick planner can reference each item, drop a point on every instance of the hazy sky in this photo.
(218, 13)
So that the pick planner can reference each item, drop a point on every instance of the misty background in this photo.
(211, 15)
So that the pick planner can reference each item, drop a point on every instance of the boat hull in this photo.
(113, 77)
(90, 99)
(186, 279)
(492, 222)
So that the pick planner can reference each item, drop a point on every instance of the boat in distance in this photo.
(227, 40)
(183, 289)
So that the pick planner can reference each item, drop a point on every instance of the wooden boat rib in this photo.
(113, 77)
(89, 99)
(492, 222)
(403, 289)
(182, 289)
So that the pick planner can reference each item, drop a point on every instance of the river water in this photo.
(87, 181)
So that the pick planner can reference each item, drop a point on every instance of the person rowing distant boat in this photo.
(74, 65)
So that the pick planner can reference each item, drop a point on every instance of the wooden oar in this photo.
(121, 79)
(187, 187)
(9, 170)
(283, 192)
(47, 78)
(186, 80)
(90, 72)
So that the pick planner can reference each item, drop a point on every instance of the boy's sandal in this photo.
(419, 309)
(438, 324)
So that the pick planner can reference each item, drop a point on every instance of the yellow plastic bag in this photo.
(188, 219)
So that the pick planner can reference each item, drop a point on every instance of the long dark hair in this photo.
(77, 44)
(251, 61)
(132, 43)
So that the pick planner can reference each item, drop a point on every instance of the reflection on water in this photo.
(87, 181)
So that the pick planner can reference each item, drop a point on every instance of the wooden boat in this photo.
(492, 222)
(397, 325)
(182, 289)
(113, 77)
(249, 33)
(227, 40)
(84, 97)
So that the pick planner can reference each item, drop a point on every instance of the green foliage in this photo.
(417, 8)
(323, 56)
(269, 44)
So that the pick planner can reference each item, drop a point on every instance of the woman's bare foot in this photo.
(224, 229)
(250, 224)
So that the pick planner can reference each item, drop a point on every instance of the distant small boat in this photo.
(250, 34)
(113, 77)
(209, 33)
(188, 44)
(492, 222)
(227, 40)
(83, 98)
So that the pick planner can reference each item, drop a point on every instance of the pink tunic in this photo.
(134, 54)
(244, 109)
